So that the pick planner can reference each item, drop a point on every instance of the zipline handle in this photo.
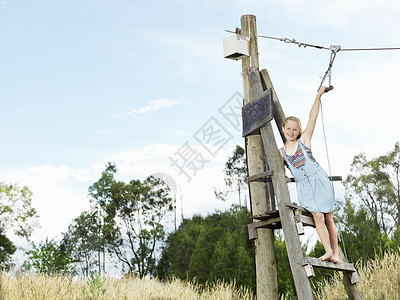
(329, 88)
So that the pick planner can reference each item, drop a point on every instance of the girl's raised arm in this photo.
(308, 132)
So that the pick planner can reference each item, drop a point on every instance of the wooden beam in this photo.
(279, 115)
(261, 176)
(293, 246)
(351, 289)
(266, 274)
(266, 215)
(316, 262)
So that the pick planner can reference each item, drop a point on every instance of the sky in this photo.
(144, 85)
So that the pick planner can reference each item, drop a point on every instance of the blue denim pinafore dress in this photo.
(314, 189)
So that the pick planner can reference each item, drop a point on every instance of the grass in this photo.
(379, 279)
(43, 287)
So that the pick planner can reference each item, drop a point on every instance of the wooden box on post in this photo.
(236, 47)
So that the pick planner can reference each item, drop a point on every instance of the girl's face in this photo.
(291, 130)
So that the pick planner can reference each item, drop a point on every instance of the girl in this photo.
(314, 190)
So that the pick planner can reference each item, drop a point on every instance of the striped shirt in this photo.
(297, 159)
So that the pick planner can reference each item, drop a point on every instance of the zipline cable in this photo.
(301, 44)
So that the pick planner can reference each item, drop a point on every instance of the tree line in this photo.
(124, 228)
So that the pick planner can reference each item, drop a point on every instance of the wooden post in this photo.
(351, 289)
(266, 275)
(293, 246)
(279, 115)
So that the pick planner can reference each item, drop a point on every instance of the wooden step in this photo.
(302, 217)
(273, 223)
(316, 262)
(347, 268)
(267, 215)
(260, 177)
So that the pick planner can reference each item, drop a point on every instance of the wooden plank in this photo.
(298, 207)
(271, 203)
(307, 220)
(309, 270)
(266, 215)
(260, 176)
(257, 113)
(300, 230)
(252, 231)
(316, 262)
(353, 277)
(266, 223)
(279, 115)
(266, 274)
(293, 246)
(351, 289)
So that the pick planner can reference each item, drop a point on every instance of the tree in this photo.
(49, 257)
(16, 212)
(132, 218)
(235, 175)
(7, 248)
(178, 248)
(101, 197)
(211, 248)
(377, 184)
(101, 190)
(16, 215)
(83, 240)
(216, 247)
(361, 239)
(232, 258)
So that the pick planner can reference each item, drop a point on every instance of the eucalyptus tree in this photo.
(235, 175)
(17, 216)
(133, 213)
(376, 183)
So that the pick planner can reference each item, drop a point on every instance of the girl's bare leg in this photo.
(323, 233)
(333, 238)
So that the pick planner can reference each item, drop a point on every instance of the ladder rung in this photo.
(266, 215)
(316, 262)
(265, 223)
(295, 206)
(306, 220)
(260, 176)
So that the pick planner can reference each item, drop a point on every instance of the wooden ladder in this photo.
(291, 218)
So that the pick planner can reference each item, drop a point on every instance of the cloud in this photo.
(181, 133)
(60, 192)
(154, 105)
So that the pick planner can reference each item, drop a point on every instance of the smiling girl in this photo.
(314, 189)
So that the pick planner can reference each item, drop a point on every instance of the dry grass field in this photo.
(379, 279)
(42, 287)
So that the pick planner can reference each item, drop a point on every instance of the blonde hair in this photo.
(294, 119)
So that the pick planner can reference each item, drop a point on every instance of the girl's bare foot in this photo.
(326, 256)
(334, 258)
